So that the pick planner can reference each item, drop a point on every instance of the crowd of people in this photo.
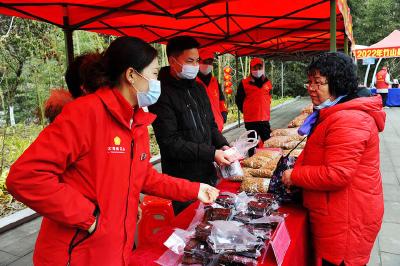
(86, 170)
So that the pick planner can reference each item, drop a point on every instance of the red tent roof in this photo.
(244, 27)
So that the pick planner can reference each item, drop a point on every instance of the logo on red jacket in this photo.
(116, 148)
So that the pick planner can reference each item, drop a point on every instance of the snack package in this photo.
(262, 173)
(284, 132)
(279, 141)
(298, 121)
(230, 171)
(295, 153)
(308, 109)
(294, 144)
(231, 236)
(255, 185)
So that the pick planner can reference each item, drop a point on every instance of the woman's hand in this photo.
(287, 178)
(207, 193)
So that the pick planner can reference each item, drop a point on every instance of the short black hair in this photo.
(177, 45)
(339, 70)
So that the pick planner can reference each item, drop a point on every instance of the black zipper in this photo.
(192, 116)
(129, 188)
(198, 116)
(73, 245)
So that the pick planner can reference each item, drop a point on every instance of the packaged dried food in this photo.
(237, 260)
(294, 144)
(279, 141)
(298, 121)
(254, 162)
(294, 153)
(225, 201)
(203, 230)
(285, 132)
(269, 153)
(262, 173)
(254, 185)
(212, 214)
(258, 209)
(229, 171)
(308, 109)
(264, 197)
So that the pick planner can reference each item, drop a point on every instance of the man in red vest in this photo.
(382, 84)
(212, 87)
(253, 99)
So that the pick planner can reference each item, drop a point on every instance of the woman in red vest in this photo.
(253, 99)
(85, 171)
(382, 84)
(339, 167)
(212, 87)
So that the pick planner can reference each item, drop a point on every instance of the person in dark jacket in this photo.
(185, 129)
(253, 99)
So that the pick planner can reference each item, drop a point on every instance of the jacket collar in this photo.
(122, 111)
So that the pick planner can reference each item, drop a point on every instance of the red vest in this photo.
(380, 79)
(213, 94)
(257, 103)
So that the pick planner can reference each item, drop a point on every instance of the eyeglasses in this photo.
(314, 86)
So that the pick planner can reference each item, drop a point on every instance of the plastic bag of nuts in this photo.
(255, 185)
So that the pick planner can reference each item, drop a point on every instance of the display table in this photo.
(393, 98)
(297, 254)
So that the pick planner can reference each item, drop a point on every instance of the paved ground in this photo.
(16, 245)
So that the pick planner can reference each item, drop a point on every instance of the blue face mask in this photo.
(310, 121)
(149, 97)
(328, 103)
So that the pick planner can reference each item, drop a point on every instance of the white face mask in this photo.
(188, 71)
(151, 96)
(257, 73)
(205, 69)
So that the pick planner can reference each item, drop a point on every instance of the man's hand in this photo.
(221, 158)
(207, 193)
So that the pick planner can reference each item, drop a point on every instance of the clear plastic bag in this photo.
(231, 236)
(230, 171)
(243, 144)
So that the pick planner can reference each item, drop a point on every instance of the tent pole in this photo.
(346, 44)
(282, 77)
(237, 82)
(69, 46)
(366, 75)
(333, 25)
(69, 41)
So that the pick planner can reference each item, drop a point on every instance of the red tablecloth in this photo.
(298, 253)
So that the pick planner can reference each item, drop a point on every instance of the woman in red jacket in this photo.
(85, 171)
(339, 167)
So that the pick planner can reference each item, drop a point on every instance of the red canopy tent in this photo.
(387, 47)
(242, 27)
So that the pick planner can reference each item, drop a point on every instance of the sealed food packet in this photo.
(285, 132)
(294, 144)
(255, 185)
(261, 173)
(279, 141)
(295, 153)
(308, 109)
(298, 121)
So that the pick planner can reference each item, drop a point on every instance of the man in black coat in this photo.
(185, 129)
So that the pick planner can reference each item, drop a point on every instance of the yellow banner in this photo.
(348, 21)
(377, 52)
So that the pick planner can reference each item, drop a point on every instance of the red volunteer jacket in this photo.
(380, 79)
(94, 155)
(217, 106)
(342, 185)
(257, 102)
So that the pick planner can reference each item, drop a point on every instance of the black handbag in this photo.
(276, 187)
